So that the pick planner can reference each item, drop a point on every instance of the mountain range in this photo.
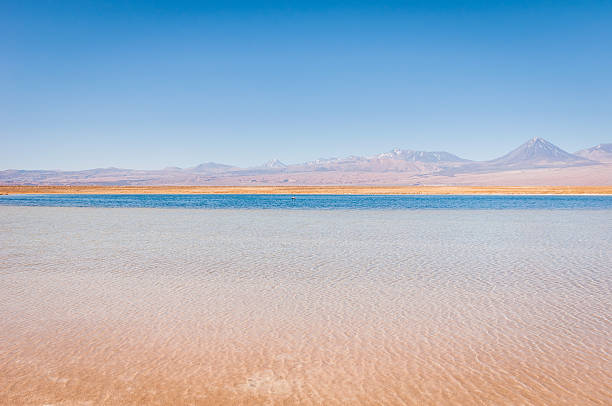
(536, 162)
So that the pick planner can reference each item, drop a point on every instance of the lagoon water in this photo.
(315, 202)
(325, 305)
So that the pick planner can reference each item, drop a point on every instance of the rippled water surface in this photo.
(195, 307)
(316, 202)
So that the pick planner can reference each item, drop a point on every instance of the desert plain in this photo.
(297, 190)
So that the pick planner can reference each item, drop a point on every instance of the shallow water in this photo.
(416, 307)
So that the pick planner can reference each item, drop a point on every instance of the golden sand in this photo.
(336, 190)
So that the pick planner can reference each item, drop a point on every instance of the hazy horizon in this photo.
(150, 86)
(276, 159)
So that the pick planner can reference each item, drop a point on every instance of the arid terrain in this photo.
(535, 163)
(297, 190)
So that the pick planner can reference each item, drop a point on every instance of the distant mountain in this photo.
(534, 153)
(535, 162)
(396, 160)
(212, 167)
(599, 153)
(273, 164)
(330, 163)
(421, 156)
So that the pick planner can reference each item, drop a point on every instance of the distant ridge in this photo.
(273, 164)
(536, 162)
(208, 167)
(535, 152)
(600, 153)
(421, 156)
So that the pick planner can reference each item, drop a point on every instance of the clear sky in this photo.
(150, 84)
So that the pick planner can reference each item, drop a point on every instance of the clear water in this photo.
(318, 202)
(138, 306)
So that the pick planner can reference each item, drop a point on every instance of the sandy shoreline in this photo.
(291, 190)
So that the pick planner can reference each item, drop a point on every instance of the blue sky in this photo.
(151, 84)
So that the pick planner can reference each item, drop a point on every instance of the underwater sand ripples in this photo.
(148, 306)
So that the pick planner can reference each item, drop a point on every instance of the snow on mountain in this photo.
(421, 156)
(600, 153)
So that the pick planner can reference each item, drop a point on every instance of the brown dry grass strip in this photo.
(297, 190)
